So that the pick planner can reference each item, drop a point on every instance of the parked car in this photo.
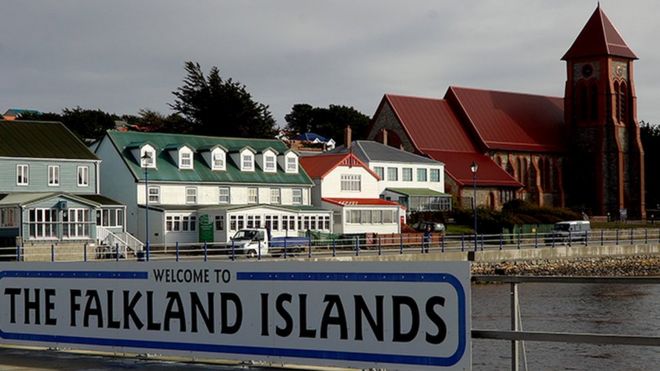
(435, 227)
(568, 232)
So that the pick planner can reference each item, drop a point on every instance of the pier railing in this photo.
(517, 336)
(390, 244)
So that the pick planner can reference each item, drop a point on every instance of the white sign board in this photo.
(363, 314)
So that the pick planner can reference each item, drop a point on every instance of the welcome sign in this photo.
(366, 314)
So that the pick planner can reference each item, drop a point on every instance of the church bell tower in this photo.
(605, 163)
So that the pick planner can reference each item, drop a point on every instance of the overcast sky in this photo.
(121, 56)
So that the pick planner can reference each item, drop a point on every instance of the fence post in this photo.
(176, 251)
(309, 244)
(401, 243)
(602, 237)
(85, 252)
(617, 237)
(379, 248)
(632, 242)
(462, 242)
(501, 240)
(519, 237)
(646, 235)
(233, 251)
(570, 237)
(116, 251)
(334, 247)
(536, 239)
(259, 250)
(206, 252)
(52, 252)
(357, 246)
(442, 243)
(148, 250)
(482, 242)
(18, 253)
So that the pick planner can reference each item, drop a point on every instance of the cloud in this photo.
(124, 55)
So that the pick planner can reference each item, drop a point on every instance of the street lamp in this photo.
(473, 168)
(146, 162)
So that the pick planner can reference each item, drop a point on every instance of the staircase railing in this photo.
(124, 240)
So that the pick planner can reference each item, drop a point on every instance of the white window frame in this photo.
(77, 224)
(291, 164)
(275, 196)
(39, 227)
(434, 171)
(407, 174)
(422, 171)
(270, 163)
(185, 158)
(394, 178)
(218, 159)
(221, 196)
(154, 198)
(253, 198)
(22, 174)
(191, 195)
(351, 183)
(82, 176)
(297, 199)
(247, 161)
(53, 175)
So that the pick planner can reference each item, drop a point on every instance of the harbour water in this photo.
(580, 308)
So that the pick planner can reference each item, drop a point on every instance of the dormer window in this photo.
(292, 164)
(247, 161)
(147, 157)
(218, 160)
(185, 158)
(270, 163)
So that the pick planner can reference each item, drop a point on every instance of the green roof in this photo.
(41, 139)
(168, 171)
(100, 199)
(412, 192)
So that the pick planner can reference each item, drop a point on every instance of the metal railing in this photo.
(126, 241)
(373, 245)
(517, 336)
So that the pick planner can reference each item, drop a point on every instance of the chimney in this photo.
(348, 136)
(385, 136)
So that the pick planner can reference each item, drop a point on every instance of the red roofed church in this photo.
(582, 150)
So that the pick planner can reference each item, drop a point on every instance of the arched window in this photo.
(582, 102)
(617, 112)
(594, 101)
(622, 102)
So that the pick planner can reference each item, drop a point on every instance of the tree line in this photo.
(208, 104)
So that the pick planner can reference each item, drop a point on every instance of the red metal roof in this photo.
(319, 166)
(430, 123)
(511, 121)
(457, 166)
(360, 201)
(599, 37)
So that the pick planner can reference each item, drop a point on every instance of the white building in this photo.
(414, 181)
(200, 188)
(349, 188)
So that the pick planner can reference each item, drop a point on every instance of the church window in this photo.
(582, 102)
(594, 101)
(622, 103)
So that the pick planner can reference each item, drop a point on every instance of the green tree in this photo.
(220, 107)
(152, 121)
(329, 122)
(650, 136)
(87, 124)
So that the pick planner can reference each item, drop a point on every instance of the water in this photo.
(587, 308)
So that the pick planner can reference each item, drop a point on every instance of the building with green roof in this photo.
(49, 191)
(178, 186)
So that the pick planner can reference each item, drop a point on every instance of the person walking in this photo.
(427, 238)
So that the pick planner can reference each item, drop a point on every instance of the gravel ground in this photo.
(603, 266)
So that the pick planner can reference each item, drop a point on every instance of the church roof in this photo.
(599, 37)
(511, 121)
(430, 123)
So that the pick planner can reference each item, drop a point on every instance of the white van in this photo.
(569, 231)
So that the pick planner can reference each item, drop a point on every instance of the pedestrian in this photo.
(427, 238)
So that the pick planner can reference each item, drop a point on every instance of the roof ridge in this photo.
(504, 92)
(191, 135)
